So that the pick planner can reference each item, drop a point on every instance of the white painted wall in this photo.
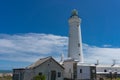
(45, 69)
(107, 68)
(75, 39)
(85, 72)
(68, 65)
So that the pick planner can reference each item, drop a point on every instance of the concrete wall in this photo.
(29, 74)
(68, 69)
(85, 73)
(75, 39)
(108, 69)
(18, 74)
(45, 69)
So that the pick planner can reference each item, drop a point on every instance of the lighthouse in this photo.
(75, 39)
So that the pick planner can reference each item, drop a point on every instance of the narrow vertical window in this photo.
(80, 70)
(59, 74)
(78, 44)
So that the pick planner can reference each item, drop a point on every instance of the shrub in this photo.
(39, 77)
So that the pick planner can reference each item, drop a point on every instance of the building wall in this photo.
(29, 74)
(68, 72)
(108, 69)
(83, 72)
(75, 39)
(18, 74)
(86, 72)
(45, 69)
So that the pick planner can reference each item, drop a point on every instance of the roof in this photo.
(85, 64)
(74, 12)
(19, 69)
(70, 60)
(41, 61)
(106, 72)
(107, 65)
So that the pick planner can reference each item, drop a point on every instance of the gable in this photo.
(42, 61)
(51, 63)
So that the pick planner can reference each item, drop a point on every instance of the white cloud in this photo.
(107, 45)
(32, 46)
(104, 55)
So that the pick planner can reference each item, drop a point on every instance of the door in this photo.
(53, 75)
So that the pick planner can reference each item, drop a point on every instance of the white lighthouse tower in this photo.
(75, 40)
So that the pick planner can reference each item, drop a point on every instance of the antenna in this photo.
(97, 62)
(114, 62)
(62, 58)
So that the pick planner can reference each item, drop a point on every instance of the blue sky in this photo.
(31, 29)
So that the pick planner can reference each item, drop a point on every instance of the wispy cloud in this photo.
(32, 46)
(103, 54)
(107, 45)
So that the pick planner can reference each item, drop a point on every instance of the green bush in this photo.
(39, 77)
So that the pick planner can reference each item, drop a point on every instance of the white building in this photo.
(86, 71)
(75, 39)
(45, 66)
(70, 71)
(78, 71)
(107, 71)
(75, 68)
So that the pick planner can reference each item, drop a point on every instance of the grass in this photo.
(111, 79)
(6, 78)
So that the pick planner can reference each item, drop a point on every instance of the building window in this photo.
(59, 74)
(40, 73)
(80, 70)
(105, 70)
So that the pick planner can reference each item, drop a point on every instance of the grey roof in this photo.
(107, 65)
(85, 64)
(41, 61)
(37, 63)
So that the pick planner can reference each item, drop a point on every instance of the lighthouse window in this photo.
(77, 25)
(78, 44)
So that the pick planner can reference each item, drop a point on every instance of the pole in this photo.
(111, 75)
